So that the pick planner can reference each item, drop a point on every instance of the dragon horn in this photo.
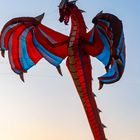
(62, 3)
(82, 11)
(73, 2)
(40, 17)
(65, 1)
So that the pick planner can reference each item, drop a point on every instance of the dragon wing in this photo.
(27, 41)
(106, 42)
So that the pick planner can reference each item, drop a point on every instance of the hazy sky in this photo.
(47, 106)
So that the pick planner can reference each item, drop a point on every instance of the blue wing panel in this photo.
(112, 74)
(104, 57)
(25, 60)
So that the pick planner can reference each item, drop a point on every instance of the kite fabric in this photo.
(27, 41)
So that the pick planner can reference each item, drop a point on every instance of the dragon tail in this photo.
(79, 66)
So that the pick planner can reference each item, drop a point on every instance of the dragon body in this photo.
(79, 65)
(27, 41)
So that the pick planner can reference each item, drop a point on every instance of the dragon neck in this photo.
(77, 22)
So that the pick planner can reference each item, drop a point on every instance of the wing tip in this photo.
(21, 75)
(40, 17)
(59, 70)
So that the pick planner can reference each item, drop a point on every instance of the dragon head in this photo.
(65, 7)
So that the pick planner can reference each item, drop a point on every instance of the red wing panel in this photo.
(51, 44)
(13, 45)
(27, 41)
(106, 43)
(94, 45)
(31, 48)
(53, 36)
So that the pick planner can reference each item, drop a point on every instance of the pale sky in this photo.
(47, 106)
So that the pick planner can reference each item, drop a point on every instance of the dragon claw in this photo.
(100, 85)
(3, 53)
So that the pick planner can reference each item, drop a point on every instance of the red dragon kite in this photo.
(27, 41)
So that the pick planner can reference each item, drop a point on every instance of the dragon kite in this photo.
(27, 41)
